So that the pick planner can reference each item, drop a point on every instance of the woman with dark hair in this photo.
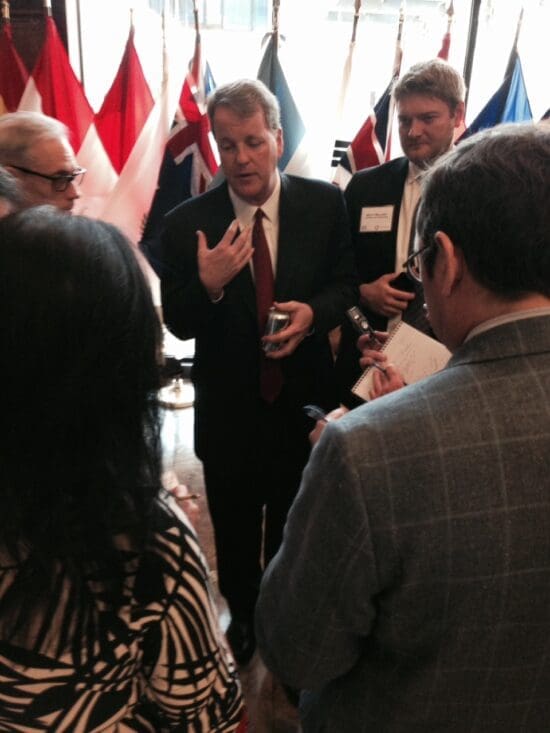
(106, 621)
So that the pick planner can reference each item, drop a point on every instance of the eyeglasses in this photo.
(412, 263)
(60, 181)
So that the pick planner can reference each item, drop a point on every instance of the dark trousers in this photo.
(249, 503)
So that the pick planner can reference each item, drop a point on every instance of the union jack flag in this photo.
(190, 159)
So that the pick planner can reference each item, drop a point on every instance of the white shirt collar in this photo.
(244, 212)
(507, 318)
(415, 173)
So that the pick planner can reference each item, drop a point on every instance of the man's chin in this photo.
(420, 157)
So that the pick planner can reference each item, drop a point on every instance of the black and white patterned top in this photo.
(156, 664)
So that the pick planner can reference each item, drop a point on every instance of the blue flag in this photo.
(508, 104)
(272, 75)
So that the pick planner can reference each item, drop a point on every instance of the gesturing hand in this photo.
(219, 265)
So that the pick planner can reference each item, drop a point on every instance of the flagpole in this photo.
(355, 19)
(471, 45)
(450, 15)
(275, 24)
(518, 28)
(398, 50)
(47, 5)
(196, 18)
(512, 59)
(395, 75)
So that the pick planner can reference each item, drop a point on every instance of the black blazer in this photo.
(374, 253)
(314, 265)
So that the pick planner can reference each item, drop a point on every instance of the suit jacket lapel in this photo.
(292, 229)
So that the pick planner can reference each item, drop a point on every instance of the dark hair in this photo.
(243, 97)
(490, 196)
(433, 78)
(80, 456)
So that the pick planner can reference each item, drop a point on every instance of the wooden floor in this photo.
(268, 708)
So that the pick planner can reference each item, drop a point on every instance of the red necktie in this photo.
(271, 379)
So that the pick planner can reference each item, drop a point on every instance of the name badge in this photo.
(376, 219)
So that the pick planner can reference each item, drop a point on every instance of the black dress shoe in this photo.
(242, 641)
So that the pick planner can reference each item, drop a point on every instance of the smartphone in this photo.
(359, 321)
(403, 282)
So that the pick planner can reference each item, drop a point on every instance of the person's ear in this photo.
(451, 263)
(460, 111)
(280, 142)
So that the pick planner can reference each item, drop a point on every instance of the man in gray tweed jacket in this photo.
(412, 590)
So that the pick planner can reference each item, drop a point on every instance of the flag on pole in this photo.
(342, 141)
(294, 157)
(190, 158)
(130, 200)
(509, 103)
(444, 56)
(342, 123)
(125, 108)
(445, 47)
(372, 144)
(54, 89)
(13, 74)
(446, 43)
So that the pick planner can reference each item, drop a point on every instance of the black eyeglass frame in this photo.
(414, 273)
(60, 181)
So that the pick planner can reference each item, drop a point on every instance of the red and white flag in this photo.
(54, 89)
(13, 74)
(125, 108)
(129, 202)
(372, 144)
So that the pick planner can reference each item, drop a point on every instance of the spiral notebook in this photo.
(415, 354)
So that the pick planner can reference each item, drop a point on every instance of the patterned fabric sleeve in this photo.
(191, 679)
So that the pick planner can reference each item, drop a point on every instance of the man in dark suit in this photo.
(381, 203)
(250, 428)
(412, 589)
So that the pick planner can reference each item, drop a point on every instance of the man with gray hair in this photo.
(412, 589)
(36, 150)
(258, 239)
(10, 195)
(382, 201)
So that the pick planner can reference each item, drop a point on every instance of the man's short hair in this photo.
(490, 196)
(19, 131)
(243, 97)
(434, 78)
(9, 189)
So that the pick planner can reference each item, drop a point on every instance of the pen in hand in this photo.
(315, 413)
(378, 366)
